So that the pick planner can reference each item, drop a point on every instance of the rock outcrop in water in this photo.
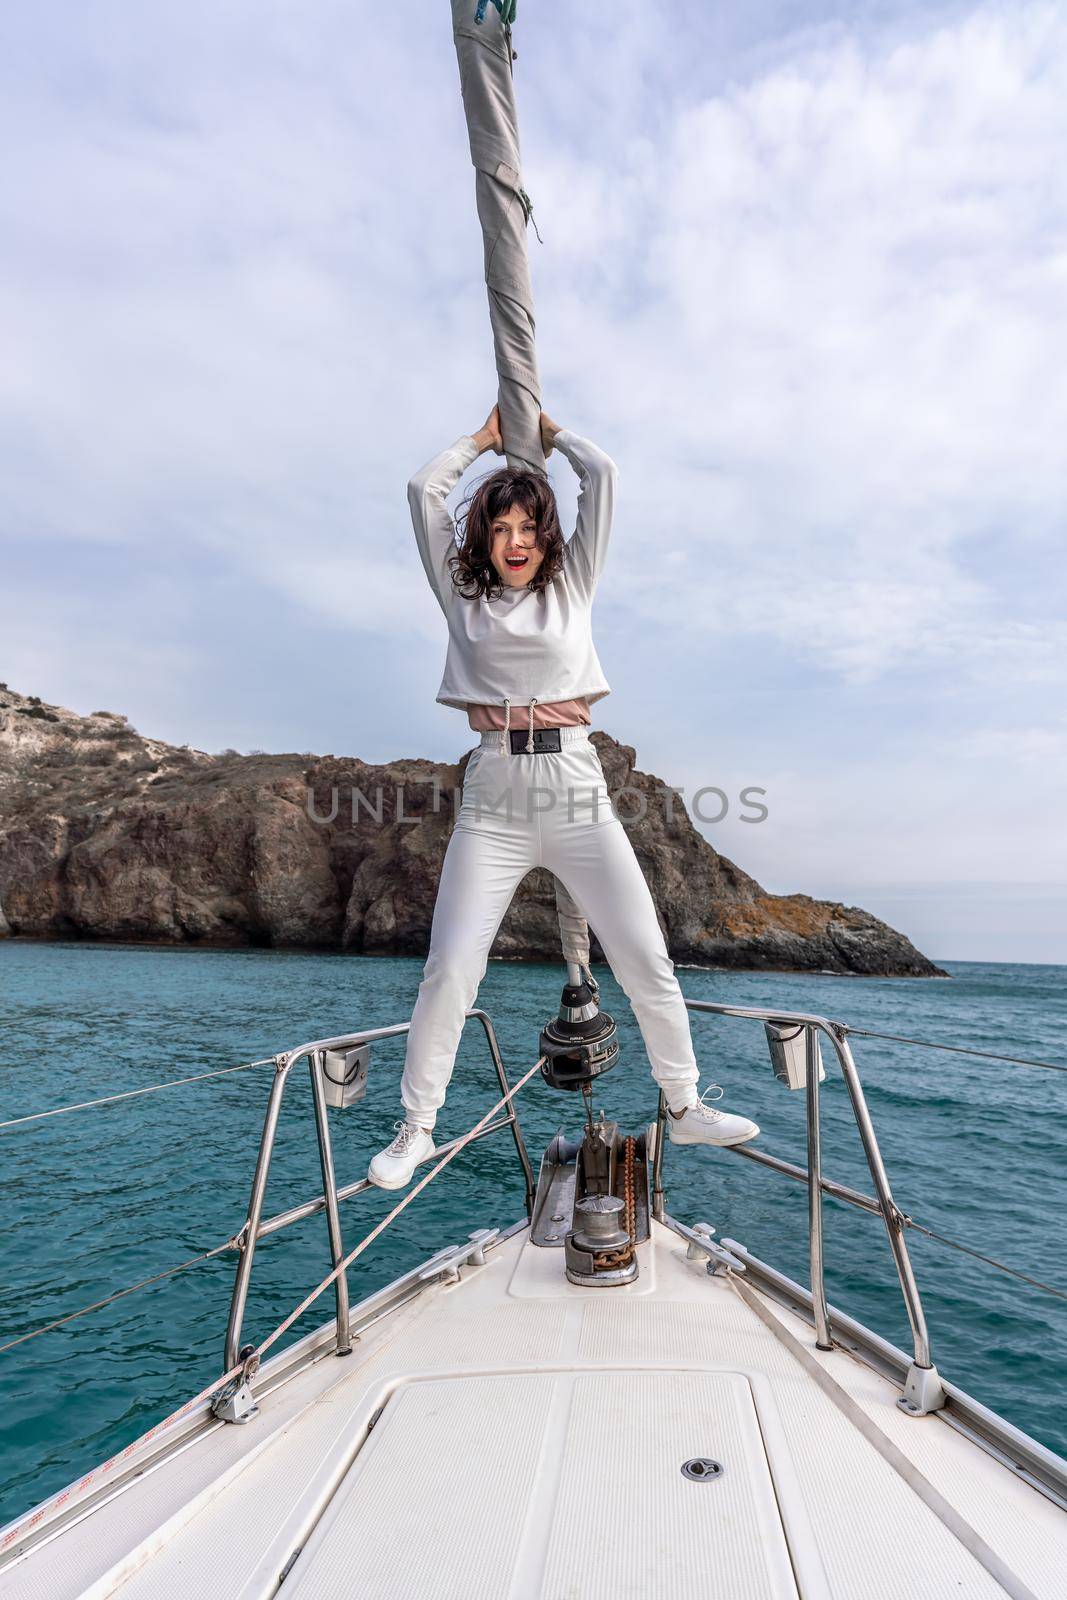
(108, 835)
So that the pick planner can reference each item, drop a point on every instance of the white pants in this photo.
(545, 810)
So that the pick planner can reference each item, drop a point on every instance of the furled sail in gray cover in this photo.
(484, 52)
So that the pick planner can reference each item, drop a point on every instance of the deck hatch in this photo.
(488, 1478)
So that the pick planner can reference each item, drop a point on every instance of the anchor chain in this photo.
(623, 1258)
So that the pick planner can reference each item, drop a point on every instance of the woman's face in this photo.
(515, 552)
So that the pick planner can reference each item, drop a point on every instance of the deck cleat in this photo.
(236, 1402)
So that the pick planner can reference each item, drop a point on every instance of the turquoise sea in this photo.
(101, 1198)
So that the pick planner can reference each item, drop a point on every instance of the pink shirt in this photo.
(559, 714)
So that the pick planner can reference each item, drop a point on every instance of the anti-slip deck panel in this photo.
(546, 1488)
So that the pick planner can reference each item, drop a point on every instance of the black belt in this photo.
(545, 740)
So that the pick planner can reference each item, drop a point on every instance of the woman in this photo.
(520, 650)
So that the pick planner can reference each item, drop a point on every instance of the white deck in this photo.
(530, 1448)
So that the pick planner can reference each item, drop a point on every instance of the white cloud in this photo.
(844, 360)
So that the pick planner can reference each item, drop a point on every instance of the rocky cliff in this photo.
(108, 835)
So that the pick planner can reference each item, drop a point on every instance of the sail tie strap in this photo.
(507, 9)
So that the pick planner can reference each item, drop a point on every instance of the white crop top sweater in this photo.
(527, 645)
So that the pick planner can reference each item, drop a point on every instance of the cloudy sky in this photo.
(804, 275)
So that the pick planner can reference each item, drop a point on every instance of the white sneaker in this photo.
(393, 1166)
(702, 1124)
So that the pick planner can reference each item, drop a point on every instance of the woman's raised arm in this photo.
(587, 547)
(428, 490)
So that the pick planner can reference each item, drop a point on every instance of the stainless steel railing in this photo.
(256, 1227)
(923, 1390)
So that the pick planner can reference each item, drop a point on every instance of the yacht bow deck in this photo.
(512, 1435)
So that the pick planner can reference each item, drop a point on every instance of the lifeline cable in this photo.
(874, 1210)
(98, 1305)
(990, 1261)
(955, 1049)
(169, 1272)
(131, 1094)
(862, 1033)
(967, 1250)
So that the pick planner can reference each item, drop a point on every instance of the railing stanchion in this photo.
(815, 1249)
(255, 1213)
(329, 1191)
(511, 1114)
(923, 1391)
(890, 1213)
(659, 1209)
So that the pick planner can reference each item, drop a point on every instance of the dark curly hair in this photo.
(473, 573)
